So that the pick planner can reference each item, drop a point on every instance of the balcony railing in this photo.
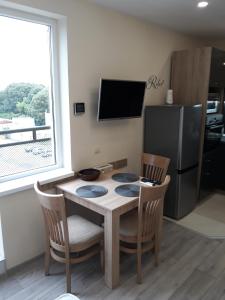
(34, 138)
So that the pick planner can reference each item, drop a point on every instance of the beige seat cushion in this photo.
(82, 230)
(129, 227)
(129, 224)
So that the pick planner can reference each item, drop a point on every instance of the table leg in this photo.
(112, 254)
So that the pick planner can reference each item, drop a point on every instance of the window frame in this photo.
(54, 89)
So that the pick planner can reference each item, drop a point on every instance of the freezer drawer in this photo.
(181, 196)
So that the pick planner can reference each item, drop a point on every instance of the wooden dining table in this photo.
(111, 206)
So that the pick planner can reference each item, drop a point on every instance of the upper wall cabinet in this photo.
(194, 72)
(190, 73)
(217, 70)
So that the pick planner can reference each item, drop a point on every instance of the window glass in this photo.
(27, 141)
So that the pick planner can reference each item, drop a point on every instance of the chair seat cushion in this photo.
(82, 230)
(129, 228)
(129, 224)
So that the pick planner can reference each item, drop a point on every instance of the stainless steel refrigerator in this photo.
(174, 131)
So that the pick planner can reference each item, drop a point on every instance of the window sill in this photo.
(21, 184)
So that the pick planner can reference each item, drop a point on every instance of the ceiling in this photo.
(179, 15)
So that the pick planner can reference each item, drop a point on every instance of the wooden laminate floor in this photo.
(192, 267)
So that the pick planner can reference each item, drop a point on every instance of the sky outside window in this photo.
(24, 52)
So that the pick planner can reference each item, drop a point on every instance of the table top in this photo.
(109, 202)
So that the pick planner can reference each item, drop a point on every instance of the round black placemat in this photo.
(125, 177)
(91, 191)
(128, 190)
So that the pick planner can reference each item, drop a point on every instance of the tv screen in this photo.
(120, 99)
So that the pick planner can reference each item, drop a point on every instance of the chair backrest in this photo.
(154, 166)
(150, 210)
(53, 207)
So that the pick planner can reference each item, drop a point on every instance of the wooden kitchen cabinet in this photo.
(195, 74)
(190, 73)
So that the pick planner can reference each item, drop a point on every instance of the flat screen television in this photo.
(120, 99)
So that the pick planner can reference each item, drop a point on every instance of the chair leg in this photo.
(47, 259)
(139, 269)
(68, 277)
(102, 256)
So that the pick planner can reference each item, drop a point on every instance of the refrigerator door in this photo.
(171, 197)
(189, 137)
(187, 192)
(162, 131)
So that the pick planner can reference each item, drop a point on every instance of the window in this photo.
(28, 97)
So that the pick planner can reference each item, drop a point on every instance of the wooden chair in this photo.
(154, 166)
(140, 231)
(69, 240)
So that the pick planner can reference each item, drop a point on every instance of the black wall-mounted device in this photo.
(78, 108)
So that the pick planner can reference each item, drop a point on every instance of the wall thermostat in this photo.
(78, 108)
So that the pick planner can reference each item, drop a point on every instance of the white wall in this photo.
(217, 43)
(101, 43)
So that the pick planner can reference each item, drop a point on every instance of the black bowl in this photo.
(89, 174)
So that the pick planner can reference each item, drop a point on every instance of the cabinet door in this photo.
(217, 71)
(181, 77)
(219, 169)
(213, 169)
(190, 75)
(208, 170)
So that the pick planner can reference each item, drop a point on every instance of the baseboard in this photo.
(2, 266)
(22, 265)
